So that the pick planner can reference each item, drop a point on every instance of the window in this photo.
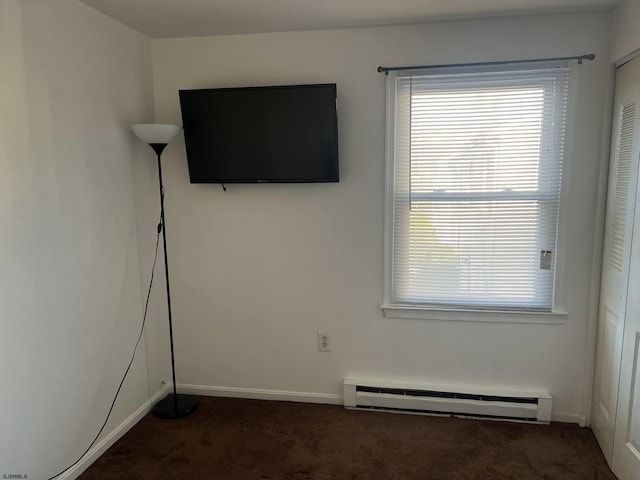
(473, 192)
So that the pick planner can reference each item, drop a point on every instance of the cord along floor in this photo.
(252, 439)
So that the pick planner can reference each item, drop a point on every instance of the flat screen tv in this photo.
(277, 134)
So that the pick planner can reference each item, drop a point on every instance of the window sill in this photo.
(486, 316)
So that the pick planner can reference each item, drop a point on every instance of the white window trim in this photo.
(558, 314)
(464, 315)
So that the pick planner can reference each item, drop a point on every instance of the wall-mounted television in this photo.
(279, 134)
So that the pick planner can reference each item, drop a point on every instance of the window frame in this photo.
(557, 314)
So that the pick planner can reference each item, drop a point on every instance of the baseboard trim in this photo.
(569, 418)
(261, 394)
(103, 445)
(308, 397)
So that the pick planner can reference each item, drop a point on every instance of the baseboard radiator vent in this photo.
(463, 402)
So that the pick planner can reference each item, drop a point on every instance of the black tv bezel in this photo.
(335, 179)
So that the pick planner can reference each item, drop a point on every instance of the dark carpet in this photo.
(259, 440)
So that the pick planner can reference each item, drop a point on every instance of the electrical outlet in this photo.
(324, 342)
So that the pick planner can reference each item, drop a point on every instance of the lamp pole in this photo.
(158, 148)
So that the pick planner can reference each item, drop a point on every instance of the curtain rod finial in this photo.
(591, 56)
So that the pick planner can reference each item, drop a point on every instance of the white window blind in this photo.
(477, 162)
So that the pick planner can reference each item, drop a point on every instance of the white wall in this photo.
(258, 270)
(71, 82)
(626, 31)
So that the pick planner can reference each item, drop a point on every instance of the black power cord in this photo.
(144, 320)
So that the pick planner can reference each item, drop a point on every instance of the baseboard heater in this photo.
(464, 402)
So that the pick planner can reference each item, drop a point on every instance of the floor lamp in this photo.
(157, 137)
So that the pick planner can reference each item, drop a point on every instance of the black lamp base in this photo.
(166, 408)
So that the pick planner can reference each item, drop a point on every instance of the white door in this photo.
(623, 179)
(626, 446)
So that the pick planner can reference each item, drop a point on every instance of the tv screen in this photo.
(261, 134)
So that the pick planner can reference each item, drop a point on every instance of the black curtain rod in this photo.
(580, 59)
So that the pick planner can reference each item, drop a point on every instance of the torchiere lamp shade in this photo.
(155, 133)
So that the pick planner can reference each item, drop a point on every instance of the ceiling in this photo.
(190, 18)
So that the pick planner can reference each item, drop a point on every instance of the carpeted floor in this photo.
(258, 440)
